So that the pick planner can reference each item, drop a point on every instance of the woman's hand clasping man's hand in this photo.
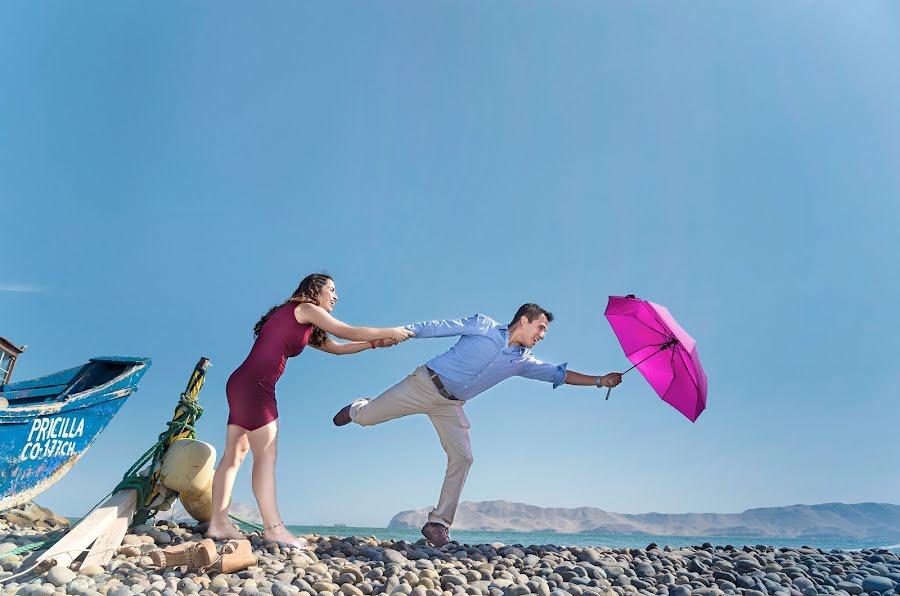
(398, 334)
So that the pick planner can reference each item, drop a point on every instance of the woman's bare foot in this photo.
(226, 531)
(281, 535)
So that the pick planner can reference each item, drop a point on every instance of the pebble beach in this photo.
(367, 566)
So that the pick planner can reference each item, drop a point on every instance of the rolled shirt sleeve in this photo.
(474, 325)
(542, 371)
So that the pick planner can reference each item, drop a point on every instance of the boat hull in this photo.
(51, 422)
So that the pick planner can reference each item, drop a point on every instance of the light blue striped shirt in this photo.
(482, 357)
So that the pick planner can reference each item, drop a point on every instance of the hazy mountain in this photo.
(833, 520)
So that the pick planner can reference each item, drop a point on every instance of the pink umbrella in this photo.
(664, 353)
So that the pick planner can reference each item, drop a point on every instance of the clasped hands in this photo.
(398, 334)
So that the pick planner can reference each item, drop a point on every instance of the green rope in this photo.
(245, 522)
(31, 547)
(182, 425)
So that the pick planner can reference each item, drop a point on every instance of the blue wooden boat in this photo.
(47, 424)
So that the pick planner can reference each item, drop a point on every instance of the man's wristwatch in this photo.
(599, 381)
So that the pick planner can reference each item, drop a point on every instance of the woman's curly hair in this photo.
(307, 291)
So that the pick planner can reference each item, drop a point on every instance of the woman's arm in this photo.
(307, 313)
(353, 347)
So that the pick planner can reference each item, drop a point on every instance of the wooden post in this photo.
(99, 528)
(106, 545)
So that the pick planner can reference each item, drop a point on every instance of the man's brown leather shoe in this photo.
(342, 417)
(436, 534)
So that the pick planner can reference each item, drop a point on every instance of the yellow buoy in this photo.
(188, 466)
(198, 504)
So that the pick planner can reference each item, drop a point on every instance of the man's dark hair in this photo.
(531, 312)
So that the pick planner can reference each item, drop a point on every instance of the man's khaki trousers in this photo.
(416, 394)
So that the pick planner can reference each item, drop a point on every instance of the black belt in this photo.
(440, 386)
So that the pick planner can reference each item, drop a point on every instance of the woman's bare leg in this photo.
(236, 447)
(264, 445)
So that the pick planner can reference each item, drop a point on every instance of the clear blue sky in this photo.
(169, 171)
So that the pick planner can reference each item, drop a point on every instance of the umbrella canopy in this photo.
(664, 353)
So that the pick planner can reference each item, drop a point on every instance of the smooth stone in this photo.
(644, 570)
(392, 556)
(453, 580)
(283, 589)
(706, 592)
(850, 588)
(874, 583)
(696, 566)
(350, 590)
(679, 590)
(591, 556)
(724, 575)
(802, 583)
(352, 571)
(218, 583)
(60, 575)
(159, 537)
(747, 564)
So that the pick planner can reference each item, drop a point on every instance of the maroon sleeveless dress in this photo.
(251, 388)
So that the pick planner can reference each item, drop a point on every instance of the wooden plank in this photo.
(121, 505)
(104, 547)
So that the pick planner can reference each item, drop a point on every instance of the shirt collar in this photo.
(504, 333)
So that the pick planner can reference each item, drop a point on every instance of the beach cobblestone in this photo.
(366, 566)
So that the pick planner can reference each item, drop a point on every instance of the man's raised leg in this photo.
(409, 396)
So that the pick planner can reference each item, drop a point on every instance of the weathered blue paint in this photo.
(51, 421)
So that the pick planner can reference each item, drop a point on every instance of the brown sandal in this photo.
(196, 556)
(236, 555)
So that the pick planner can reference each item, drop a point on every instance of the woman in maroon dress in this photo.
(281, 333)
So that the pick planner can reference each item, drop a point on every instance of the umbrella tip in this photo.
(629, 296)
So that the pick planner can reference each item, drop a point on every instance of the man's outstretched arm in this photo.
(559, 375)
(474, 325)
(608, 380)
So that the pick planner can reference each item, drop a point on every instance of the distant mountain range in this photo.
(861, 521)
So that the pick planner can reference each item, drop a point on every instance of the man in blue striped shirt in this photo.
(485, 354)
